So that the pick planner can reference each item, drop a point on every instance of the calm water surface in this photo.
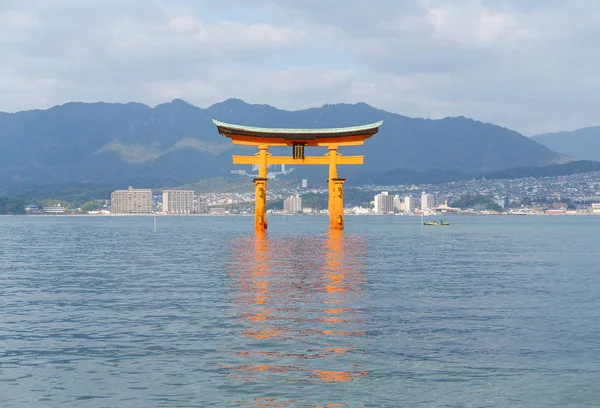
(488, 312)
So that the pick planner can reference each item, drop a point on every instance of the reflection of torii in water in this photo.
(283, 295)
(271, 175)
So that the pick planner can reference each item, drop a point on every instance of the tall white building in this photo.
(131, 201)
(398, 203)
(293, 204)
(409, 204)
(427, 201)
(384, 203)
(178, 201)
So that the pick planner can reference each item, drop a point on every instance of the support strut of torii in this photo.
(298, 139)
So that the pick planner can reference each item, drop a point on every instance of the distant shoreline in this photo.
(295, 215)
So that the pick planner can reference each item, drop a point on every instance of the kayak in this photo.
(436, 223)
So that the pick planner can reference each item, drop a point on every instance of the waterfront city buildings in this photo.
(178, 201)
(131, 201)
(410, 204)
(202, 205)
(293, 204)
(576, 192)
(33, 209)
(384, 203)
(398, 203)
(427, 201)
(54, 209)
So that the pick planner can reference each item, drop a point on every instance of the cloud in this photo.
(526, 64)
(293, 88)
(15, 26)
(226, 40)
(472, 25)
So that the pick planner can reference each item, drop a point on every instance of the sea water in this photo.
(200, 311)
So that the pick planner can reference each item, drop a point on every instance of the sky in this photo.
(530, 65)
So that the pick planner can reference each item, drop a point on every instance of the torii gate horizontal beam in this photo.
(307, 160)
(321, 142)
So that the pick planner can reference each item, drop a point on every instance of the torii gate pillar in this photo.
(260, 190)
(336, 191)
(260, 204)
(336, 204)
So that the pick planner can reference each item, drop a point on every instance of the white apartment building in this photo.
(55, 209)
(384, 203)
(427, 201)
(410, 204)
(293, 204)
(131, 201)
(596, 208)
(178, 202)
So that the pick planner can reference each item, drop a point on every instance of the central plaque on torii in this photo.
(298, 139)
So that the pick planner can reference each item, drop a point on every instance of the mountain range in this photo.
(581, 143)
(112, 145)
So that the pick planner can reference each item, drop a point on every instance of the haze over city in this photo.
(529, 65)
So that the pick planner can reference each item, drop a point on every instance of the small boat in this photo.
(436, 223)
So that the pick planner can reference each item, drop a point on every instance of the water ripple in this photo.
(105, 312)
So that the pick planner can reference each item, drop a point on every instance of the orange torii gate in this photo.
(331, 138)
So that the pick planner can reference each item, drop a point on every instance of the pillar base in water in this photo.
(260, 204)
(336, 204)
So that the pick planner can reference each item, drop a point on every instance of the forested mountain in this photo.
(103, 145)
(581, 143)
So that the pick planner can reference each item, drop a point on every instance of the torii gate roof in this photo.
(289, 135)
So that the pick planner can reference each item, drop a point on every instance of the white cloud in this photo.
(529, 65)
(184, 24)
(33, 92)
(15, 26)
(185, 33)
(293, 88)
(471, 25)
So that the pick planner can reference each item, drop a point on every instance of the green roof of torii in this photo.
(290, 133)
(292, 130)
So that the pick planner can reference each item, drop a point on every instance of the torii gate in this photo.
(332, 138)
